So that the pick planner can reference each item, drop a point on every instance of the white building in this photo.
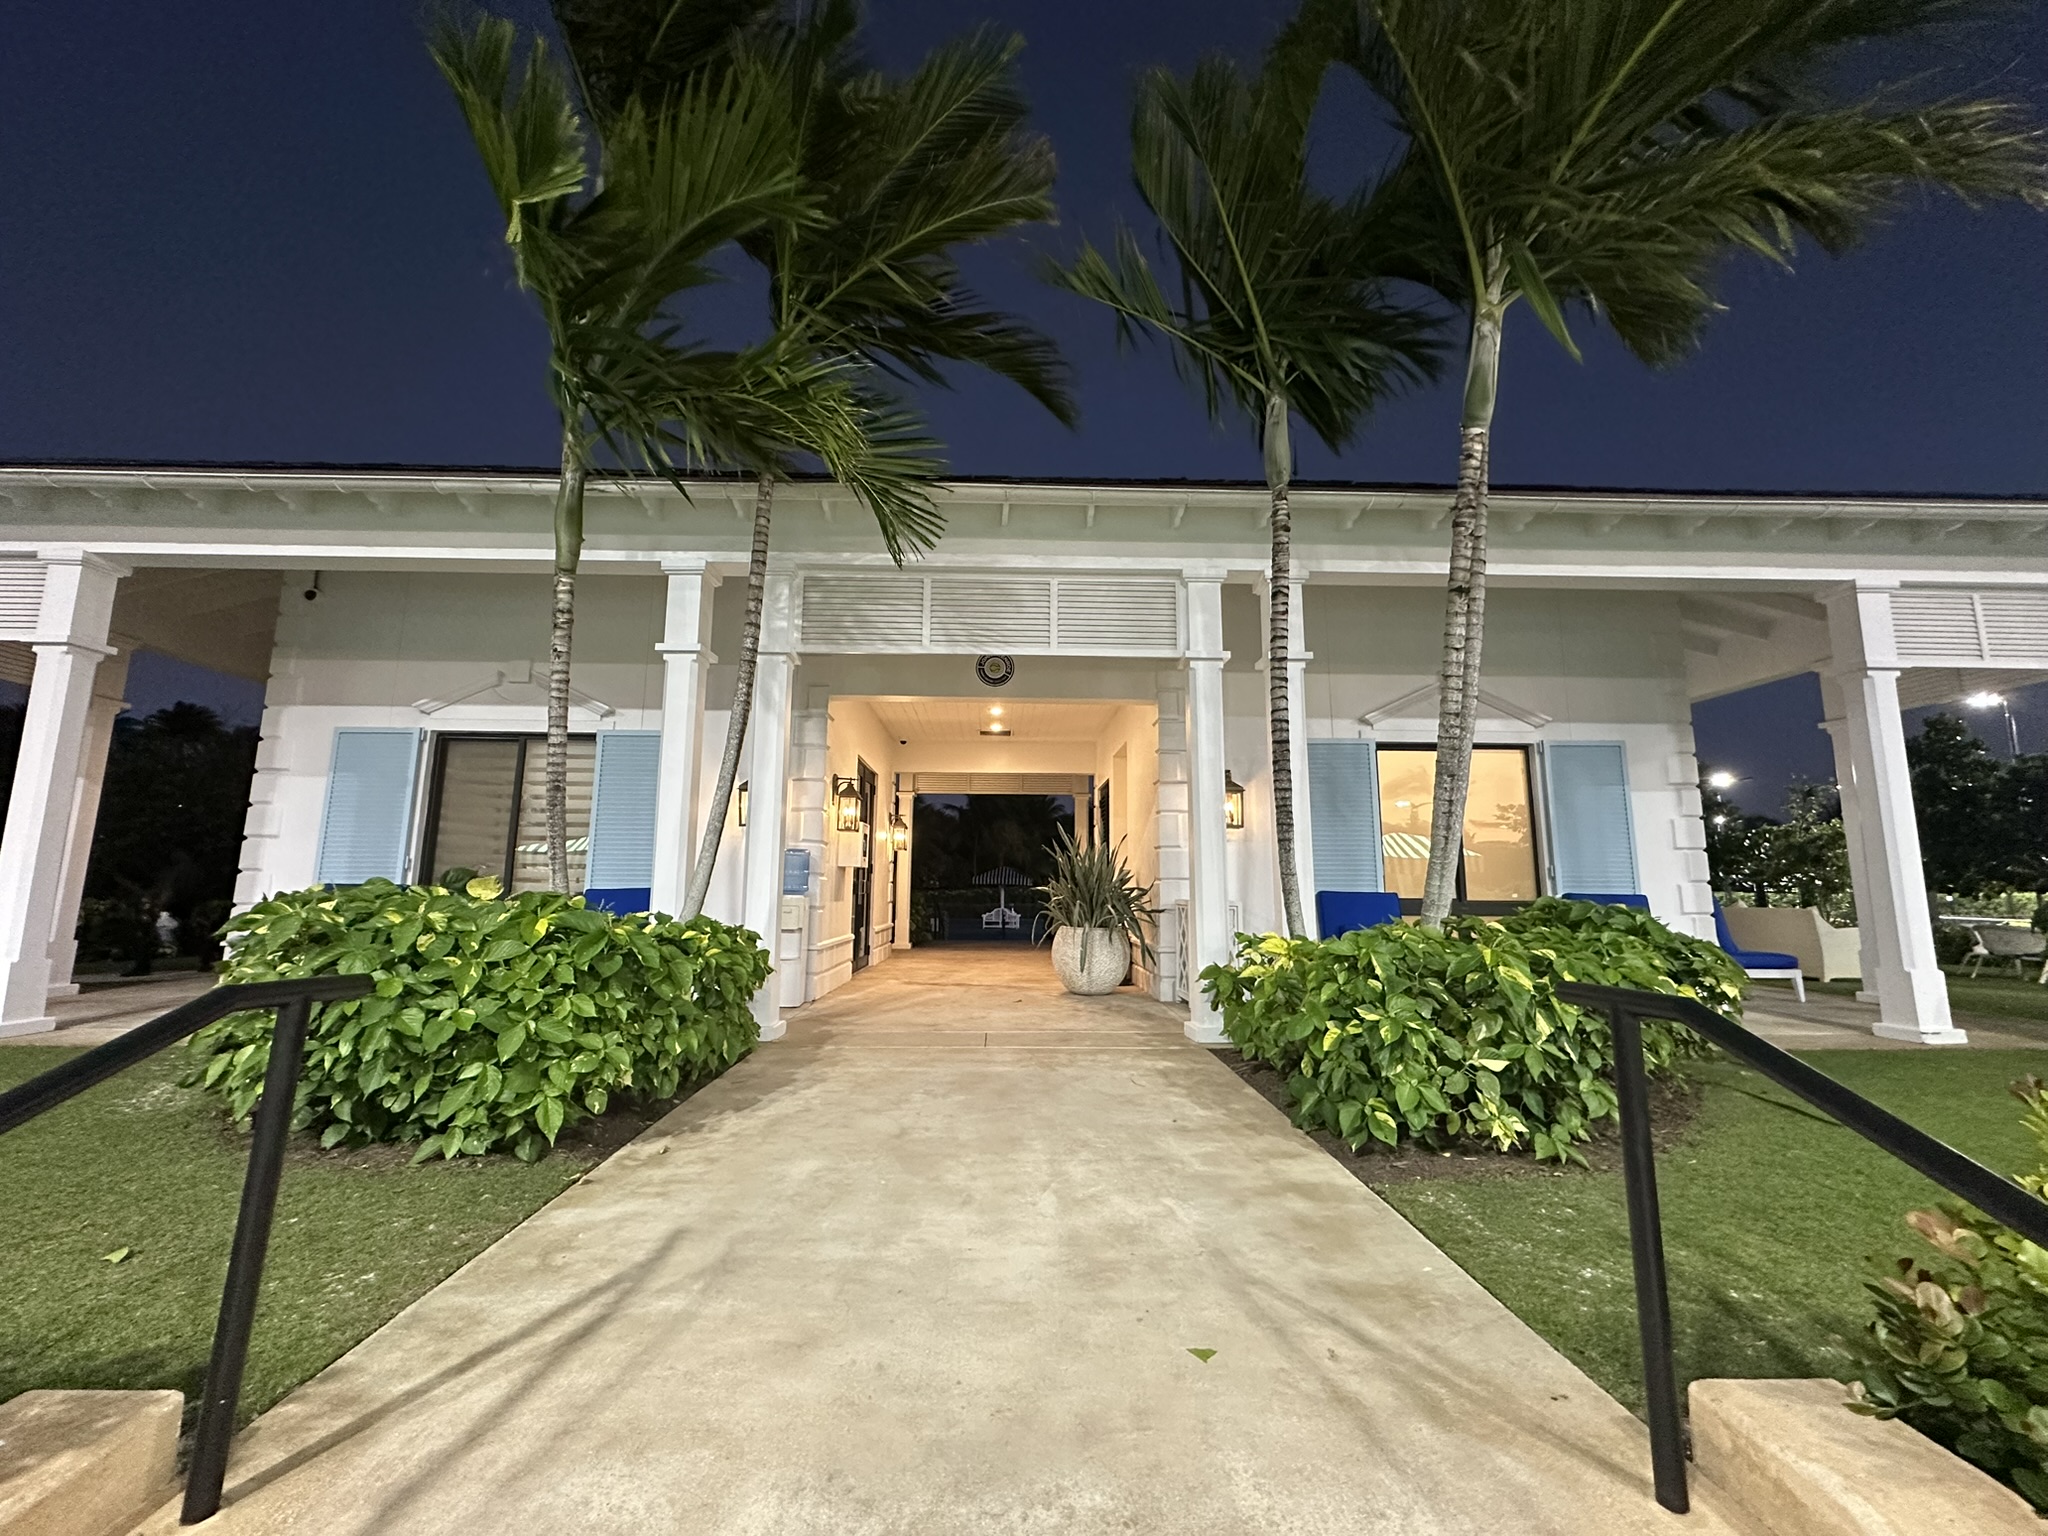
(399, 620)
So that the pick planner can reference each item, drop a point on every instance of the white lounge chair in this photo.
(1998, 942)
(1824, 952)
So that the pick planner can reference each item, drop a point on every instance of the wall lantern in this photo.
(1233, 803)
(743, 802)
(899, 834)
(846, 800)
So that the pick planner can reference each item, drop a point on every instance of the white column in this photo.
(768, 731)
(108, 682)
(1208, 878)
(1298, 658)
(71, 638)
(1912, 993)
(1855, 834)
(685, 660)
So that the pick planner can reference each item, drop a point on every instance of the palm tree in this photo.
(1609, 154)
(1282, 311)
(904, 172)
(602, 250)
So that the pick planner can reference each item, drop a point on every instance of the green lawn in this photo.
(1769, 1212)
(141, 1164)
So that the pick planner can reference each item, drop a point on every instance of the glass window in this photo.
(490, 808)
(1500, 841)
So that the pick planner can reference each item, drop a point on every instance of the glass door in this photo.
(487, 808)
(1499, 862)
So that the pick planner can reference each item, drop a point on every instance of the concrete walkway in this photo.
(935, 1264)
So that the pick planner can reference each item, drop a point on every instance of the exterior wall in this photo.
(1126, 758)
(374, 645)
(855, 736)
(1602, 665)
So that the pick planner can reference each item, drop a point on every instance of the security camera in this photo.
(311, 593)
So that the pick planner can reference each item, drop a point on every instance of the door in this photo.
(1499, 862)
(864, 872)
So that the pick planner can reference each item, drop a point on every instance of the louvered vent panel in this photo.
(1119, 616)
(1000, 783)
(21, 597)
(992, 613)
(1936, 627)
(2016, 625)
(870, 613)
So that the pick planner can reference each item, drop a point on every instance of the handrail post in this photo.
(223, 1390)
(1646, 1246)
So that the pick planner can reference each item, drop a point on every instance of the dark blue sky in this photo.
(252, 231)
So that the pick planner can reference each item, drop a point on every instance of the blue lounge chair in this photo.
(1345, 911)
(1640, 903)
(1765, 964)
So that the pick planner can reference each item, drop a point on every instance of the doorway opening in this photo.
(980, 861)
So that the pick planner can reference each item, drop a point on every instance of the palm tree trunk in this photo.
(568, 554)
(742, 704)
(1280, 726)
(1464, 618)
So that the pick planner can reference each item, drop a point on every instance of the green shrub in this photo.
(496, 1021)
(1959, 1346)
(1401, 1032)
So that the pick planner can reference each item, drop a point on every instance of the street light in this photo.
(1721, 778)
(1989, 700)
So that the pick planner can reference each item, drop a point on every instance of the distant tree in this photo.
(1738, 846)
(1956, 799)
(172, 808)
(1808, 864)
(2020, 825)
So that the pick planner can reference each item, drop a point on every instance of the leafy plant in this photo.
(1439, 1035)
(1959, 1346)
(1093, 887)
(496, 1020)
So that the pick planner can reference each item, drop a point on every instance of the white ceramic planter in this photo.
(1090, 961)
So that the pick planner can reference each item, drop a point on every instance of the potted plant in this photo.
(1098, 912)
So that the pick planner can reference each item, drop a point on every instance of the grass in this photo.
(141, 1164)
(1770, 1212)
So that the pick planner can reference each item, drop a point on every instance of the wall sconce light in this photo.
(846, 798)
(899, 834)
(1233, 803)
(743, 802)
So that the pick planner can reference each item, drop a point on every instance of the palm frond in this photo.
(1281, 290)
(529, 137)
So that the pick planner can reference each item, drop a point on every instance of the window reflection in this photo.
(1499, 832)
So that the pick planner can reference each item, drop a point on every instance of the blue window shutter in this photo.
(1592, 835)
(622, 811)
(368, 821)
(1344, 796)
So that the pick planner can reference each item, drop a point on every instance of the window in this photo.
(487, 809)
(1500, 836)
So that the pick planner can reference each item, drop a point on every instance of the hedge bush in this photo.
(496, 1020)
(1959, 1346)
(1407, 1033)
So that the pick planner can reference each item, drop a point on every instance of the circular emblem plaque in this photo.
(994, 671)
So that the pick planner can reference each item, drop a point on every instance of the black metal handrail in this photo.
(1996, 1196)
(294, 1002)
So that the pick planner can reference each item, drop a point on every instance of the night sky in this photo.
(248, 231)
